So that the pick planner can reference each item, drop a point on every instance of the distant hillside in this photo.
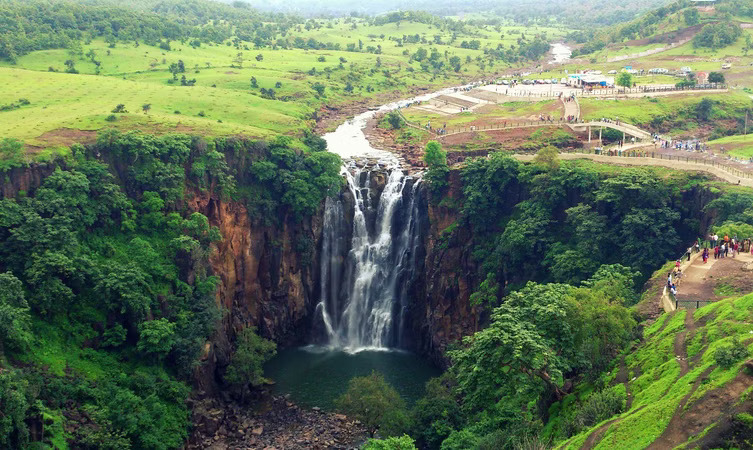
(522, 11)
(675, 22)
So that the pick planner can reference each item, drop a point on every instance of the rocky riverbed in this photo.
(276, 424)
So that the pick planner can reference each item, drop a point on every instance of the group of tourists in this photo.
(672, 276)
(615, 121)
(442, 130)
(726, 245)
(692, 145)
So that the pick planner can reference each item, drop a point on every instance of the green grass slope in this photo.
(679, 393)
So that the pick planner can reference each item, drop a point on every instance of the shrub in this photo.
(460, 440)
(111, 118)
(375, 403)
(727, 355)
(598, 407)
(403, 442)
(319, 88)
(246, 364)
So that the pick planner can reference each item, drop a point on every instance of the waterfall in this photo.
(364, 283)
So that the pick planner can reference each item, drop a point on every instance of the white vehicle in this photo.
(726, 66)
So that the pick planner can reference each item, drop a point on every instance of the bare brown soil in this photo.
(729, 271)
(509, 138)
(63, 137)
(672, 36)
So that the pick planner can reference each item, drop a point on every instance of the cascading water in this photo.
(365, 282)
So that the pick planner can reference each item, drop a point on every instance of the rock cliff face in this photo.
(25, 179)
(267, 278)
(441, 312)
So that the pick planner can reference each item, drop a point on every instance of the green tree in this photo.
(14, 314)
(703, 109)
(524, 351)
(246, 364)
(394, 119)
(436, 160)
(437, 414)
(717, 77)
(156, 337)
(717, 35)
(374, 402)
(547, 157)
(692, 16)
(624, 79)
(14, 403)
(146, 107)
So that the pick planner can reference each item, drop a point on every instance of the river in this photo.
(561, 53)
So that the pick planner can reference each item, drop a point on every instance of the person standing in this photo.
(705, 255)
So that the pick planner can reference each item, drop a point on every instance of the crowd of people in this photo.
(720, 247)
(726, 245)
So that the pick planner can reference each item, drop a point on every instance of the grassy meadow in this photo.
(740, 146)
(223, 101)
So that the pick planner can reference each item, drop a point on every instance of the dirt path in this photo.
(693, 285)
(681, 343)
(623, 376)
(703, 412)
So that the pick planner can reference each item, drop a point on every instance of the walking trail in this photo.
(695, 283)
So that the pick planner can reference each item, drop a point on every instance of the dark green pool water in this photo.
(315, 376)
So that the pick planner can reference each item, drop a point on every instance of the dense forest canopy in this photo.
(104, 267)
